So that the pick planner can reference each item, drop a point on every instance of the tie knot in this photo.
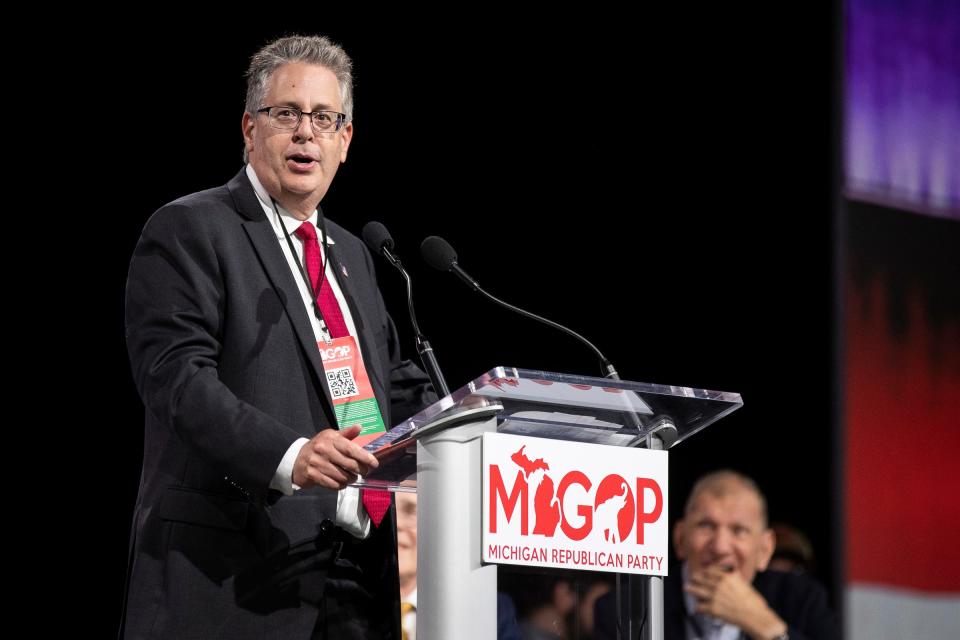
(306, 232)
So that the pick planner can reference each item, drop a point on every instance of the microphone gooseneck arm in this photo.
(378, 239)
(438, 253)
(608, 370)
(423, 345)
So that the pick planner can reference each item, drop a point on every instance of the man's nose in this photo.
(304, 130)
(722, 541)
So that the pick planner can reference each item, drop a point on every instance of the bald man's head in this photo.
(725, 525)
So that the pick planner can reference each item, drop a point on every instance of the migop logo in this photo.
(335, 352)
(612, 508)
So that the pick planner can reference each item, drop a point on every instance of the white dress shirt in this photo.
(700, 626)
(351, 515)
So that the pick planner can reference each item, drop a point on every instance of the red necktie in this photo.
(329, 308)
(375, 502)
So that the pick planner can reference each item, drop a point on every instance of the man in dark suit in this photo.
(244, 525)
(722, 590)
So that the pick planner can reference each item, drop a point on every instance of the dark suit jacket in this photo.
(798, 600)
(227, 366)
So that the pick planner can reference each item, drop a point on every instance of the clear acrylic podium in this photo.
(437, 454)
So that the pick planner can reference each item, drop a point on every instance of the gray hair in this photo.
(723, 482)
(317, 50)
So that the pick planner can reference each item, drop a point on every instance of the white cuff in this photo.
(283, 478)
(351, 516)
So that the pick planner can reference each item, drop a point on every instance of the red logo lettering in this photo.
(644, 517)
(584, 510)
(499, 490)
(614, 506)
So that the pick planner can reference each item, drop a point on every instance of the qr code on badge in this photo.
(342, 384)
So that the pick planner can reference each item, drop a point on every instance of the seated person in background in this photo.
(554, 604)
(591, 587)
(722, 590)
(793, 552)
(546, 602)
(407, 562)
(507, 628)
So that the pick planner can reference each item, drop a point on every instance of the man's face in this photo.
(726, 531)
(407, 534)
(297, 166)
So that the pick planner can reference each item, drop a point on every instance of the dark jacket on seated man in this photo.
(722, 589)
(801, 602)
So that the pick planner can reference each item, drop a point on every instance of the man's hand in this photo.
(727, 596)
(332, 460)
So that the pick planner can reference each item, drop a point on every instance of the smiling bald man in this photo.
(722, 591)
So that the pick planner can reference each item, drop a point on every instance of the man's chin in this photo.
(300, 185)
(301, 189)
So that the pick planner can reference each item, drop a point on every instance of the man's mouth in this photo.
(300, 161)
(726, 567)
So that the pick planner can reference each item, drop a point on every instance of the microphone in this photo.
(378, 240)
(661, 429)
(438, 253)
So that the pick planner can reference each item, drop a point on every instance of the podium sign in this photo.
(546, 469)
(573, 505)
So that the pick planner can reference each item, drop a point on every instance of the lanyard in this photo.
(303, 275)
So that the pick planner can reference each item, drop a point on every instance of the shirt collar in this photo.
(289, 221)
(708, 625)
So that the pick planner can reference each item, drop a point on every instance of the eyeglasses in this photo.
(289, 118)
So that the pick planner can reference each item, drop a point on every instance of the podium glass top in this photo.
(553, 405)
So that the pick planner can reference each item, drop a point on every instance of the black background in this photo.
(660, 184)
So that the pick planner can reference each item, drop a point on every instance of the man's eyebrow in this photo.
(318, 106)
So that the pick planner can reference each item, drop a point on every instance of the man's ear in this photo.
(678, 533)
(247, 124)
(347, 135)
(768, 542)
